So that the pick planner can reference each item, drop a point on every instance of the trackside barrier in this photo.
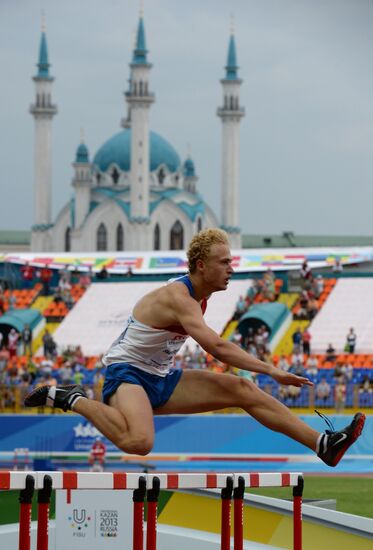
(148, 486)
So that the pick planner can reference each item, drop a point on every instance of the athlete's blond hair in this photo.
(200, 245)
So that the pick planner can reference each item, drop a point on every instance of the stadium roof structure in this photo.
(292, 240)
(287, 239)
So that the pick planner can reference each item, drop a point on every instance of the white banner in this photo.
(93, 519)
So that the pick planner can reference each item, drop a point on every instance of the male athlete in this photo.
(141, 381)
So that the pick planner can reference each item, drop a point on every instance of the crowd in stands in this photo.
(340, 384)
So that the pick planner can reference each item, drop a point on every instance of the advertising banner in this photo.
(88, 519)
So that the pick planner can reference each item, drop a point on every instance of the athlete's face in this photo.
(217, 269)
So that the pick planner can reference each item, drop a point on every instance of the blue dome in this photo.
(82, 154)
(117, 150)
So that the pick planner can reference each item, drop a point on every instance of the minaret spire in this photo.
(139, 100)
(230, 114)
(43, 111)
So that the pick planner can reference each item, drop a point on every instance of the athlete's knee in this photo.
(245, 389)
(137, 444)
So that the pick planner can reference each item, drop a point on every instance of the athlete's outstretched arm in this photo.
(189, 315)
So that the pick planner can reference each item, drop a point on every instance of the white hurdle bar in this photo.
(149, 485)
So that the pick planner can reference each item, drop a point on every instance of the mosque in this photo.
(136, 193)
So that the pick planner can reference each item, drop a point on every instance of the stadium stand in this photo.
(349, 305)
(99, 316)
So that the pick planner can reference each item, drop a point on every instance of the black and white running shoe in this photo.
(58, 397)
(332, 444)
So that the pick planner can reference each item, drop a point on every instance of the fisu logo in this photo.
(79, 521)
(79, 515)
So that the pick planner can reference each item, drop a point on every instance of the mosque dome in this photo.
(117, 150)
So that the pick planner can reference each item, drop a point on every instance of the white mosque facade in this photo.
(136, 193)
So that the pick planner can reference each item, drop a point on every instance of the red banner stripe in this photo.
(119, 481)
(70, 480)
(285, 480)
(211, 481)
(254, 480)
(5, 480)
(172, 481)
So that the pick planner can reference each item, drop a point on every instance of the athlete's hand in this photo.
(289, 379)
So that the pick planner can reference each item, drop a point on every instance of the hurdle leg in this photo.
(297, 514)
(44, 498)
(226, 496)
(238, 495)
(138, 514)
(151, 526)
(25, 499)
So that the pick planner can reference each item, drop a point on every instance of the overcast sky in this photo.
(307, 69)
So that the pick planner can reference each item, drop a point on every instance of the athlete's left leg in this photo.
(202, 391)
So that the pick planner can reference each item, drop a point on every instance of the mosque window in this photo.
(226, 102)
(157, 237)
(120, 237)
(68, 239)
(115, 176)
(177, 236)
(101, 238)
(231, 106)
(199, 224)
(141, 87)
(161, 176)
(98, 179)
(135, 88)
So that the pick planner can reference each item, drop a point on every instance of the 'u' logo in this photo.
(79, 516)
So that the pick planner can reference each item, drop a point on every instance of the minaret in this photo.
(43, 111)
(231, 114)
(139, 100)
(82, 183)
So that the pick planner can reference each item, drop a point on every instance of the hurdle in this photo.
(146, 487)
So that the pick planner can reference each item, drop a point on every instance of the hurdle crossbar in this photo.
(147, 486)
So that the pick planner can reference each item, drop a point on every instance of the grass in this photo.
(353, 494)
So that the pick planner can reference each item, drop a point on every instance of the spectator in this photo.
(351, 341)
(49, 345)
(26, 338)
(85, 278)
(27, 272)
(241, 306)
(340, 395)
(283, 363)
(293, 393)
(45, 278)
(306, 342)
(312, 308)
(323, 390)
(297, 339)
(305, 271)
(330, 353)
(312, 366)
(12, 342)
(337, 267)
(102, 274)
(129, 272)
(318, 286)
(12, 301)
(237, 337)
(2, 302)
(65, 274)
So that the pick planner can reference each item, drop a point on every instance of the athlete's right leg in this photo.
(127, 421)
